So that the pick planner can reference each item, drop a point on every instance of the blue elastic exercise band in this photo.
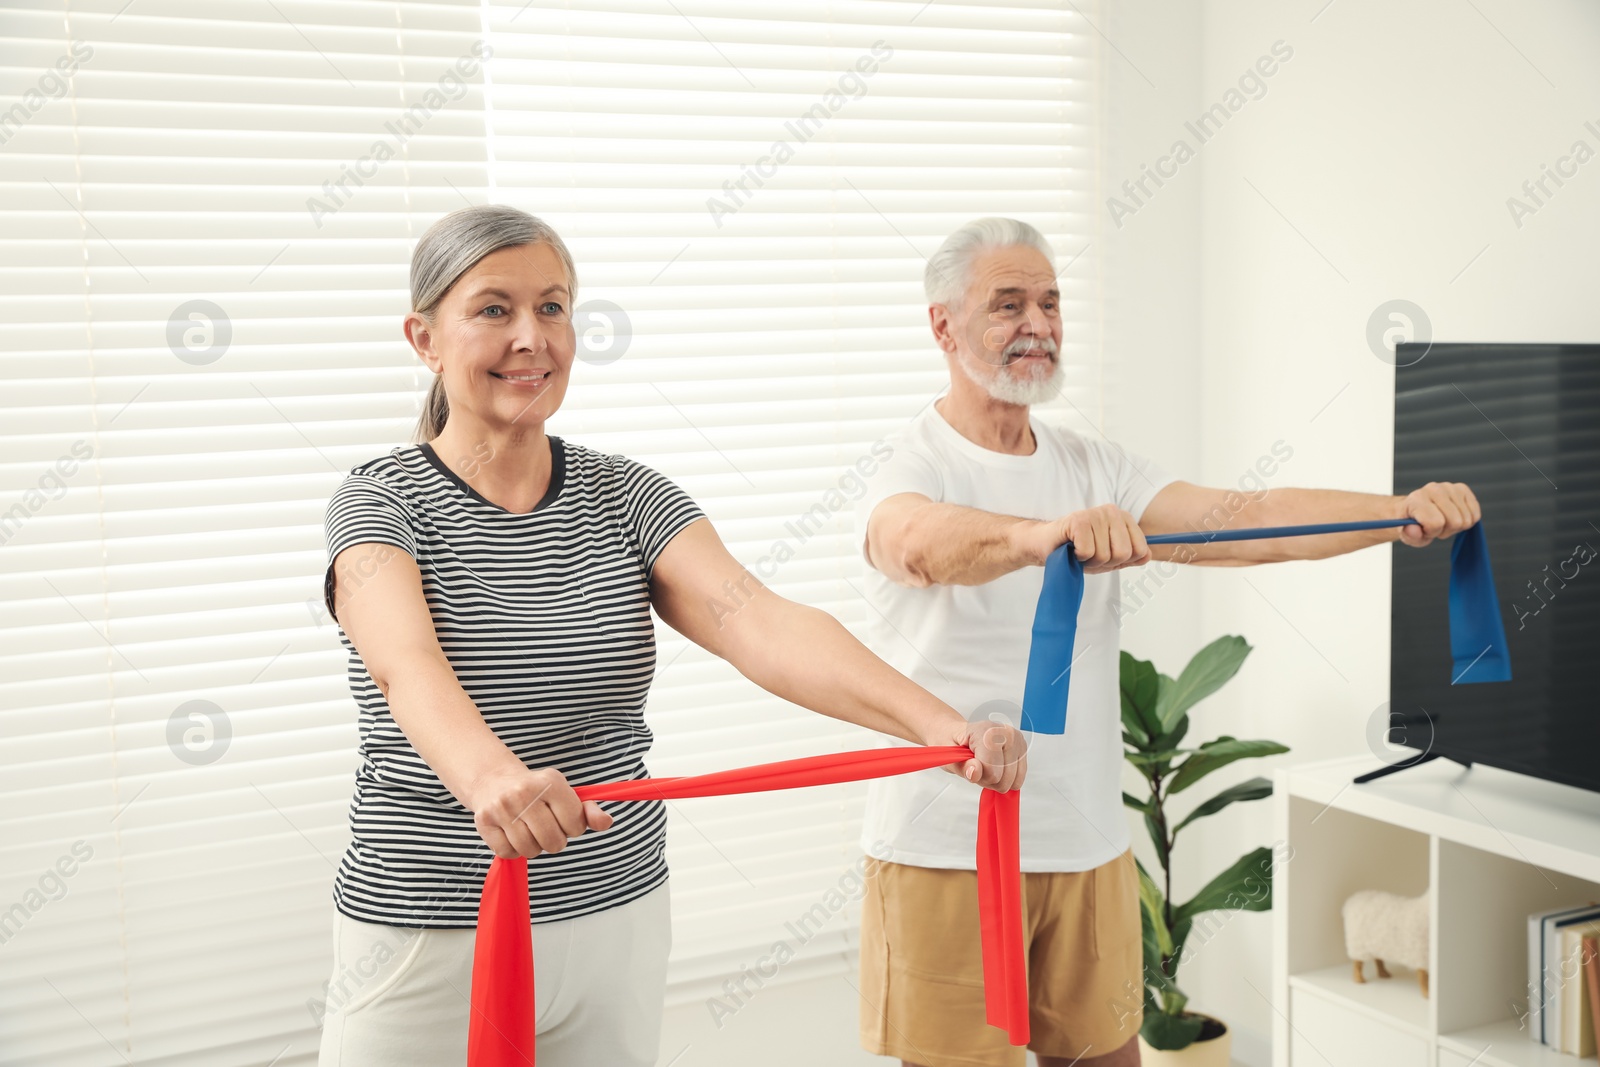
(1477, 636)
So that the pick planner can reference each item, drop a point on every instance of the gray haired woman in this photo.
(493, 586)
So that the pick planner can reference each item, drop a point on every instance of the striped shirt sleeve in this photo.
(364, 509)
(658, 509)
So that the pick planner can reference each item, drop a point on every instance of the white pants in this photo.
(399, 996)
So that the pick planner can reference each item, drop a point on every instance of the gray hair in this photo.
(949, 270)
(452, 246)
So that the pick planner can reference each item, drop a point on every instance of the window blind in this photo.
(206, 238)
(208, 212)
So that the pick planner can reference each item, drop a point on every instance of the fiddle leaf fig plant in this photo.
(1155, 724)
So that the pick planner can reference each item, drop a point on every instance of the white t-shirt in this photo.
(968, 645)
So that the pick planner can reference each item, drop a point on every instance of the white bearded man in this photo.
(955, 530)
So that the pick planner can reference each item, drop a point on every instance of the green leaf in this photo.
(1210, 668)
(1148, 759)
(1173, 736)
(1246, 886)
(1140, 690)
(1254, 789)
(1158, 840)
(1219, 753)
(1133, 731)
(1152, 904)
(1160, 732)
(1180, 937)
(1155, 978)
(1164, 684)
(1157, 950)
(1131, 801)
(1150, 1005)
(1164, 746)
(1160, 993)
(1171, 1032)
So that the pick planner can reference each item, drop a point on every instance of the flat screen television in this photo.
(1520, 424)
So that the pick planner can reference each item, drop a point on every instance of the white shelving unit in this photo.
(1493, 846)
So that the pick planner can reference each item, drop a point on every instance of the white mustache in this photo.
(1022, 344)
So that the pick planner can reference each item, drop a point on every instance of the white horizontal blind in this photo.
(212, 333)
(176, 737)
(756, 188)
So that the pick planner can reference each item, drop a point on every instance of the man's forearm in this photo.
(947, 544)
(1298, 507)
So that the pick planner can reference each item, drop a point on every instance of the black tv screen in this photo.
(1520, 424)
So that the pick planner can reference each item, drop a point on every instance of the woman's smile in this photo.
(524, 380)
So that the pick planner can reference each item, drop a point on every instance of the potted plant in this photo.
(1155, 721)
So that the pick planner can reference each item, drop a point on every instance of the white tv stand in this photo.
(1494, 846)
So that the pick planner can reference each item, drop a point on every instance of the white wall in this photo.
(1151, 300)
(1376, 166)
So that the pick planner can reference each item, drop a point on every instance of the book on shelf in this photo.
(1591, 981)
(1565, 1007)
(1544, 979)
(1577, 1033)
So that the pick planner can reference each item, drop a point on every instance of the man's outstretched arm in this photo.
(919, 542)
(1442, 508)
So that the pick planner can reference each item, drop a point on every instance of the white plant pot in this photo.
(1216, 1052)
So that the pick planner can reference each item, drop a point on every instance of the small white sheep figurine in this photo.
(1385, 926)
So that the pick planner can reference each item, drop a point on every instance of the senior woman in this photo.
(493, 585)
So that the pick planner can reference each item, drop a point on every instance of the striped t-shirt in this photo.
(545, 618)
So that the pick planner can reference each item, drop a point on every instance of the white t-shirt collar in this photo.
(988, 457)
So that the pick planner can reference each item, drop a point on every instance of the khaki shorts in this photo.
(922, 965)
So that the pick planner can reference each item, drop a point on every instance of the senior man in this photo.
(956, 528)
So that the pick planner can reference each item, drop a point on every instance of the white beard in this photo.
(1002, 385)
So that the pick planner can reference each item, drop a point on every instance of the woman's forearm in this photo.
(856, 687)
(446, 728)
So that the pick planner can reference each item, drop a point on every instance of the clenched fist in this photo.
(522, 812)
(1104, 539)
(1443, 509)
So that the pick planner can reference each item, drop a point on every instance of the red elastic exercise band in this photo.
(501, 1033)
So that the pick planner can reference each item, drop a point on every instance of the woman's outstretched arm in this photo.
(806, 656)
